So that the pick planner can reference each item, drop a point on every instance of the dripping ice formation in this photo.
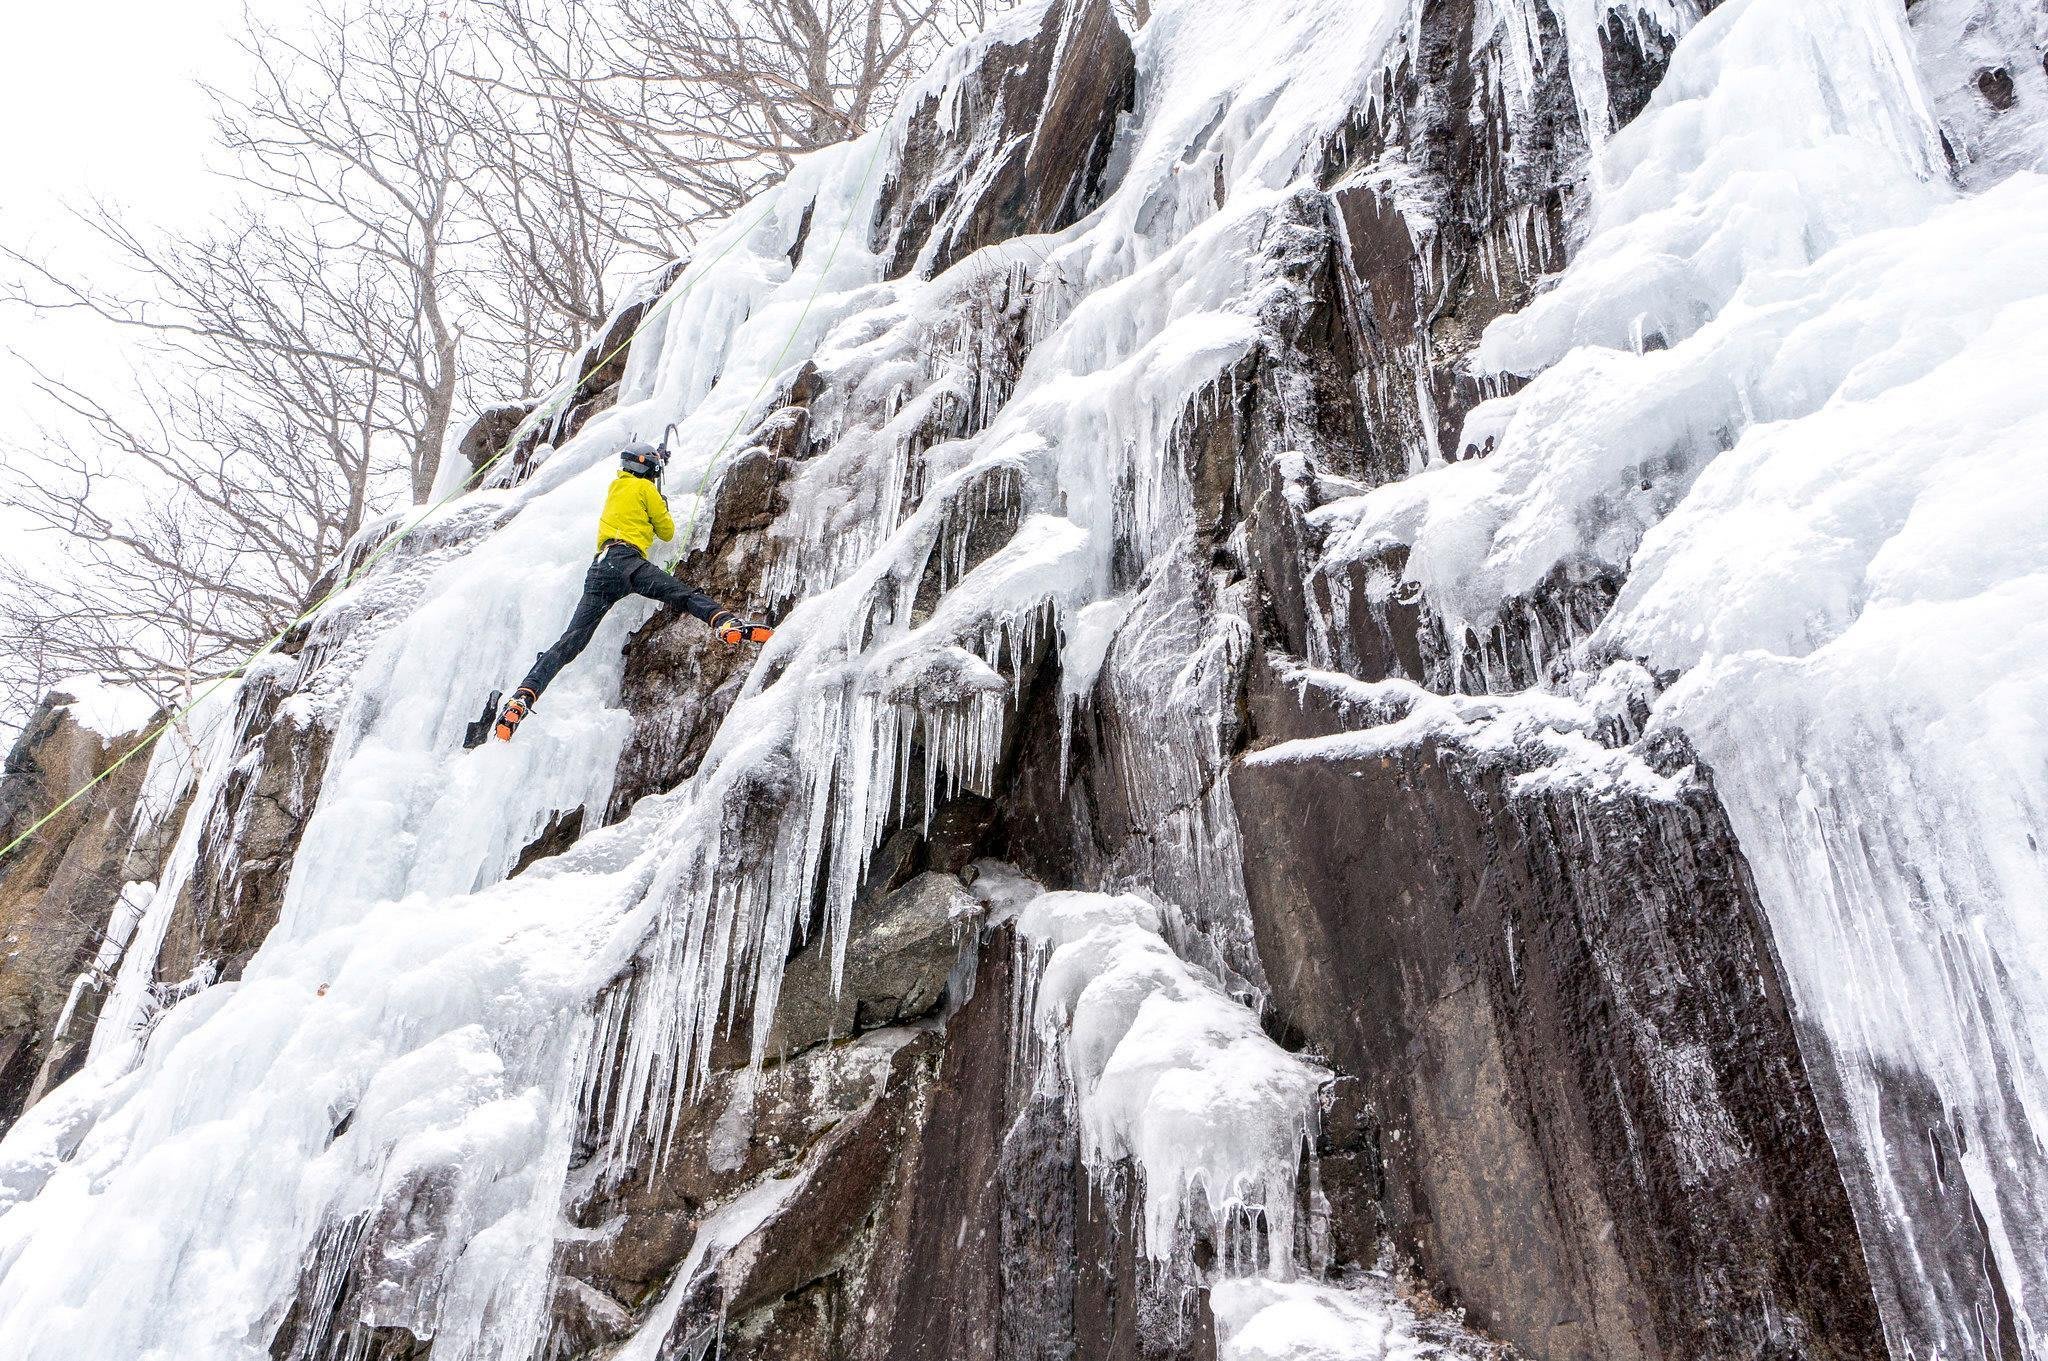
(1785, 391)
(1167, 1069)
(450, 1027)
(1824, 480)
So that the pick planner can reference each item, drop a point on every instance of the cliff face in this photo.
(61, 895)
(1290, 813)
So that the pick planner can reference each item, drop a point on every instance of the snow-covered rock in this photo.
(1407, 648)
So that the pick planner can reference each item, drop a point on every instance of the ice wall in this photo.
(397, 1042)
(397, 1072)
(1789, 387)
(1781, 389)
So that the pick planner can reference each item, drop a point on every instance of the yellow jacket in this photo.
(635, 513)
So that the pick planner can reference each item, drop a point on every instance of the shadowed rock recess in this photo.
(1110, 834)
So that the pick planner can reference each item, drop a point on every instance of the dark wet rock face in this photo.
(637, 1228)
(947, 1219)
(1034, 125)
(1634, 51)
(1970, 1310)
(1584, 1110)
(352, 1263)
(1475, 216)
(895, 966)
(1995, 84)
(59, 888)
(250, 841)
(1380, 629)
(490, 435)
(561, 832)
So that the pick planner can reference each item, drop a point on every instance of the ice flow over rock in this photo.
(1663, 370)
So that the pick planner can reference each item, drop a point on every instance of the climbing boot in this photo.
(733, 630)
(515, 712)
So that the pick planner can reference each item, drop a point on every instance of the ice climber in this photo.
(634, 516)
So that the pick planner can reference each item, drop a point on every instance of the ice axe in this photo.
(476, 734)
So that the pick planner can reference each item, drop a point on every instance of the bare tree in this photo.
(555, 226)
(30, 667)
(309, 363)
(267, 315)
(438, 201)
(703, 104)
(196, 510)
(187, 539)
(354, 127)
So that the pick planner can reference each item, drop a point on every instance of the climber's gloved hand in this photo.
(733, 630)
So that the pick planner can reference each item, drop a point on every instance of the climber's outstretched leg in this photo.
(604, 585)
(655, 584)
(619, 571)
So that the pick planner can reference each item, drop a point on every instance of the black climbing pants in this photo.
(618, 572)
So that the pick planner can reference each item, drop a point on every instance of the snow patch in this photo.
(110, 711)
(1169, 1071)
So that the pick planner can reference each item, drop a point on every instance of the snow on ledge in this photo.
(109, 710)
(1560, 733)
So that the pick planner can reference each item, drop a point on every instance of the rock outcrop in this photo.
(929, 1205)
(1016, 148)
(59, 890)
(1447, 868)
(1558, 994)
(229, 904)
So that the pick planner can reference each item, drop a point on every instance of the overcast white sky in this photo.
(99, 100)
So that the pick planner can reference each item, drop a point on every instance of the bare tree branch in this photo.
(438, 202)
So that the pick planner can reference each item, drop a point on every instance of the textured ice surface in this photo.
(1171, 1073)
(417, 1032)
(1792, 385)
(1260, 1319)
(171, 1196)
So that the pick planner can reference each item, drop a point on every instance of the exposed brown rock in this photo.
(559, 835)
(1995, 84)
(952, 1222)
(58, 889)
(897, 961)
(742, 1128)
(250, 839)
(1588, 1116)
(1043, 110)
(489, 436)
